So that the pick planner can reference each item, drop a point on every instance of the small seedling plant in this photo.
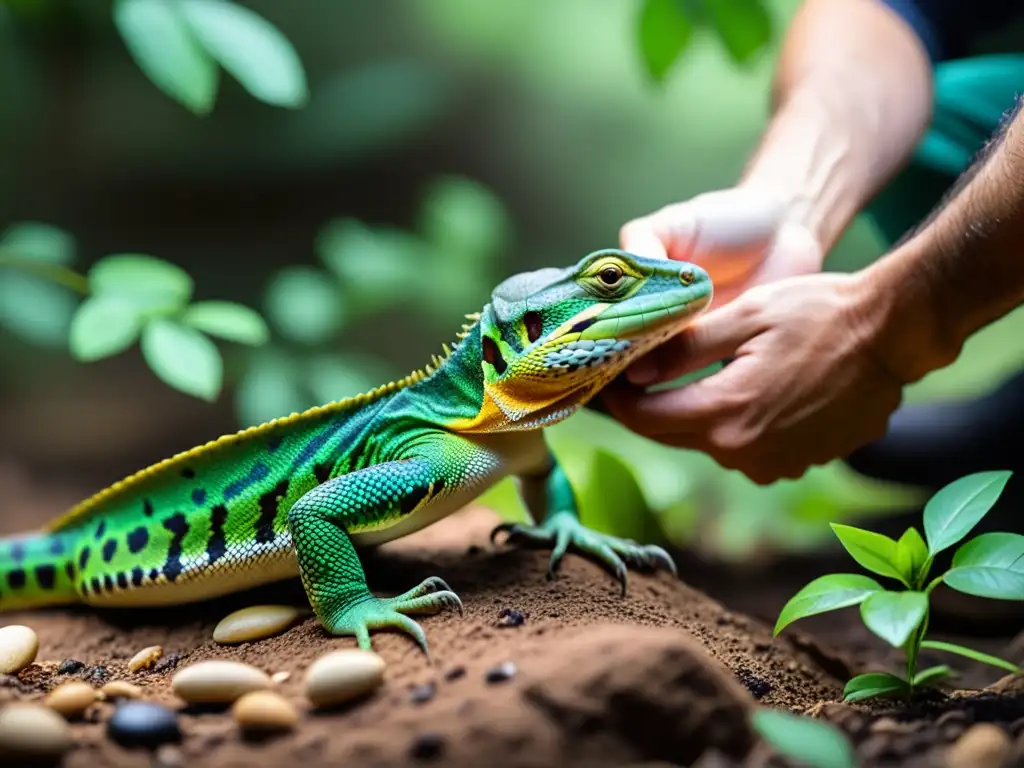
(990, 565)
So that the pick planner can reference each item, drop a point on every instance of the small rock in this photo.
(18, 648)
(217, 681)
(265, 711)
(120, 689)
(71, 699)
(145, 658)
(97, 674)
(167, 663)
(982, 746)
(499, 674)
(70, 667)
(32, 731)
(143, 724)
(510, 617)
(344, 675)
(420, 694)
(167, 756)
(455, 673)
(254, 623)
(758, 686)
(889, 725)
(427, 746)
(279, 677)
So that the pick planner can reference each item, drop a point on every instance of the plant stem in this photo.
(55, 273)
(934, 583)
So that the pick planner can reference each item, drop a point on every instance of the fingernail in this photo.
(642, 372)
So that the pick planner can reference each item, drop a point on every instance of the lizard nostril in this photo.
(686, 276)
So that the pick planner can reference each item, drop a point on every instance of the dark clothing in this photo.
(948, 28)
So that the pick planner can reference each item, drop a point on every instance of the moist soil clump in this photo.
(536, 673)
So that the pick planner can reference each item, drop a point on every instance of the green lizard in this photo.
(303, 493)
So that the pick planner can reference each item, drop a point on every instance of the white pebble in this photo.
(254, 623)
(341, 676)
(279, 677)
(265, 711)
(18, 648)
(71, 699)
(217, 681)
(120, 689)
(145, 658)
(33, 731)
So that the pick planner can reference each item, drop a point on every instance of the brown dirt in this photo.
(665, 676)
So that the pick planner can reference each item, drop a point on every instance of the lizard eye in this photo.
(534, 325)
(610, 275)
(492, 355)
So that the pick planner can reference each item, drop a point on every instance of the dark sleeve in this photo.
(948, 27)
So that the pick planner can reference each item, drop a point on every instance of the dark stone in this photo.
(420, 694)
(758, 687)
(143, 724)
(167, 663)
(499, 674)
(427, 746)
(510, 617)
(70, 667)
(97, 674)
(454, 673)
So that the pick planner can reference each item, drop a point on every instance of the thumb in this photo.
(708, 339)
(667, 233)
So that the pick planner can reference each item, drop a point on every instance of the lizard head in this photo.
(551, 339)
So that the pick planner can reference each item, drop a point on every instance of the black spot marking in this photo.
(217, 545)
(122, 580)
(109, 548)
(178, 525)
(573, 368)
(274, 443)
(84, 587)
(137, 576)
(69, 570)
(582, 325)
(439, 485)
(108, 582)
(268, 511)
(188, 473)
(153, 573)
(198, 497)
(17, 551)
(137, 539)
(83, 558)
(46, 576)
(56, 546)
(96, 586)
(492, 355)
(322, 471)
(147, 508)
(101, 529)
(412, 500)
(16, 578)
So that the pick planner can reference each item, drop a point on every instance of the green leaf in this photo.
(804, 740)
(894, 616)
(250, 48)
(874, 685)
(990, 565)
(874, 551)
(612, 501)
(269, 389)
(304, 304)
(227, 320)
(103, 326)
(160, 41)
(464, 221)
(952, 512)
(32, 241)
(34, 309)
(912, 556)
(744, 26)
(827, 593)
(147, 283)
(932, 675)
(183, 358)
(665, 31)
(970, 653)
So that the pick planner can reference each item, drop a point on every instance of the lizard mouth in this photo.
(633, 318)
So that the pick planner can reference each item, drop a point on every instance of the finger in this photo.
(639, 237)
(680, 417)
(708, 339)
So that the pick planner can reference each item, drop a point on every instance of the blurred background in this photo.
(336, 184)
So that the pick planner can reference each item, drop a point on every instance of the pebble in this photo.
(145, 658)
(279, 677)
(420, 694)
(426, 746)
(217, 681)
(143, 724)
(121, 689)
(344, 675)
(70, 666)
(168, 663)
(18, 648)
(33, 731)
(454, 673)
(265, 711)
(510, 617)
(71, 699)
(167, 756)
(254, 623)
(982, 746)
(499, 674)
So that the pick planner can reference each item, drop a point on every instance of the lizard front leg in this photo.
(385, 494)
(552, 504)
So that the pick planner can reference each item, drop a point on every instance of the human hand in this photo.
(810, 381)
(742, 236)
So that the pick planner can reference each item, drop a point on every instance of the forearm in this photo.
(852, 96)
(962, 270)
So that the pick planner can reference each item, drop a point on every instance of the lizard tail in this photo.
(37, 569)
